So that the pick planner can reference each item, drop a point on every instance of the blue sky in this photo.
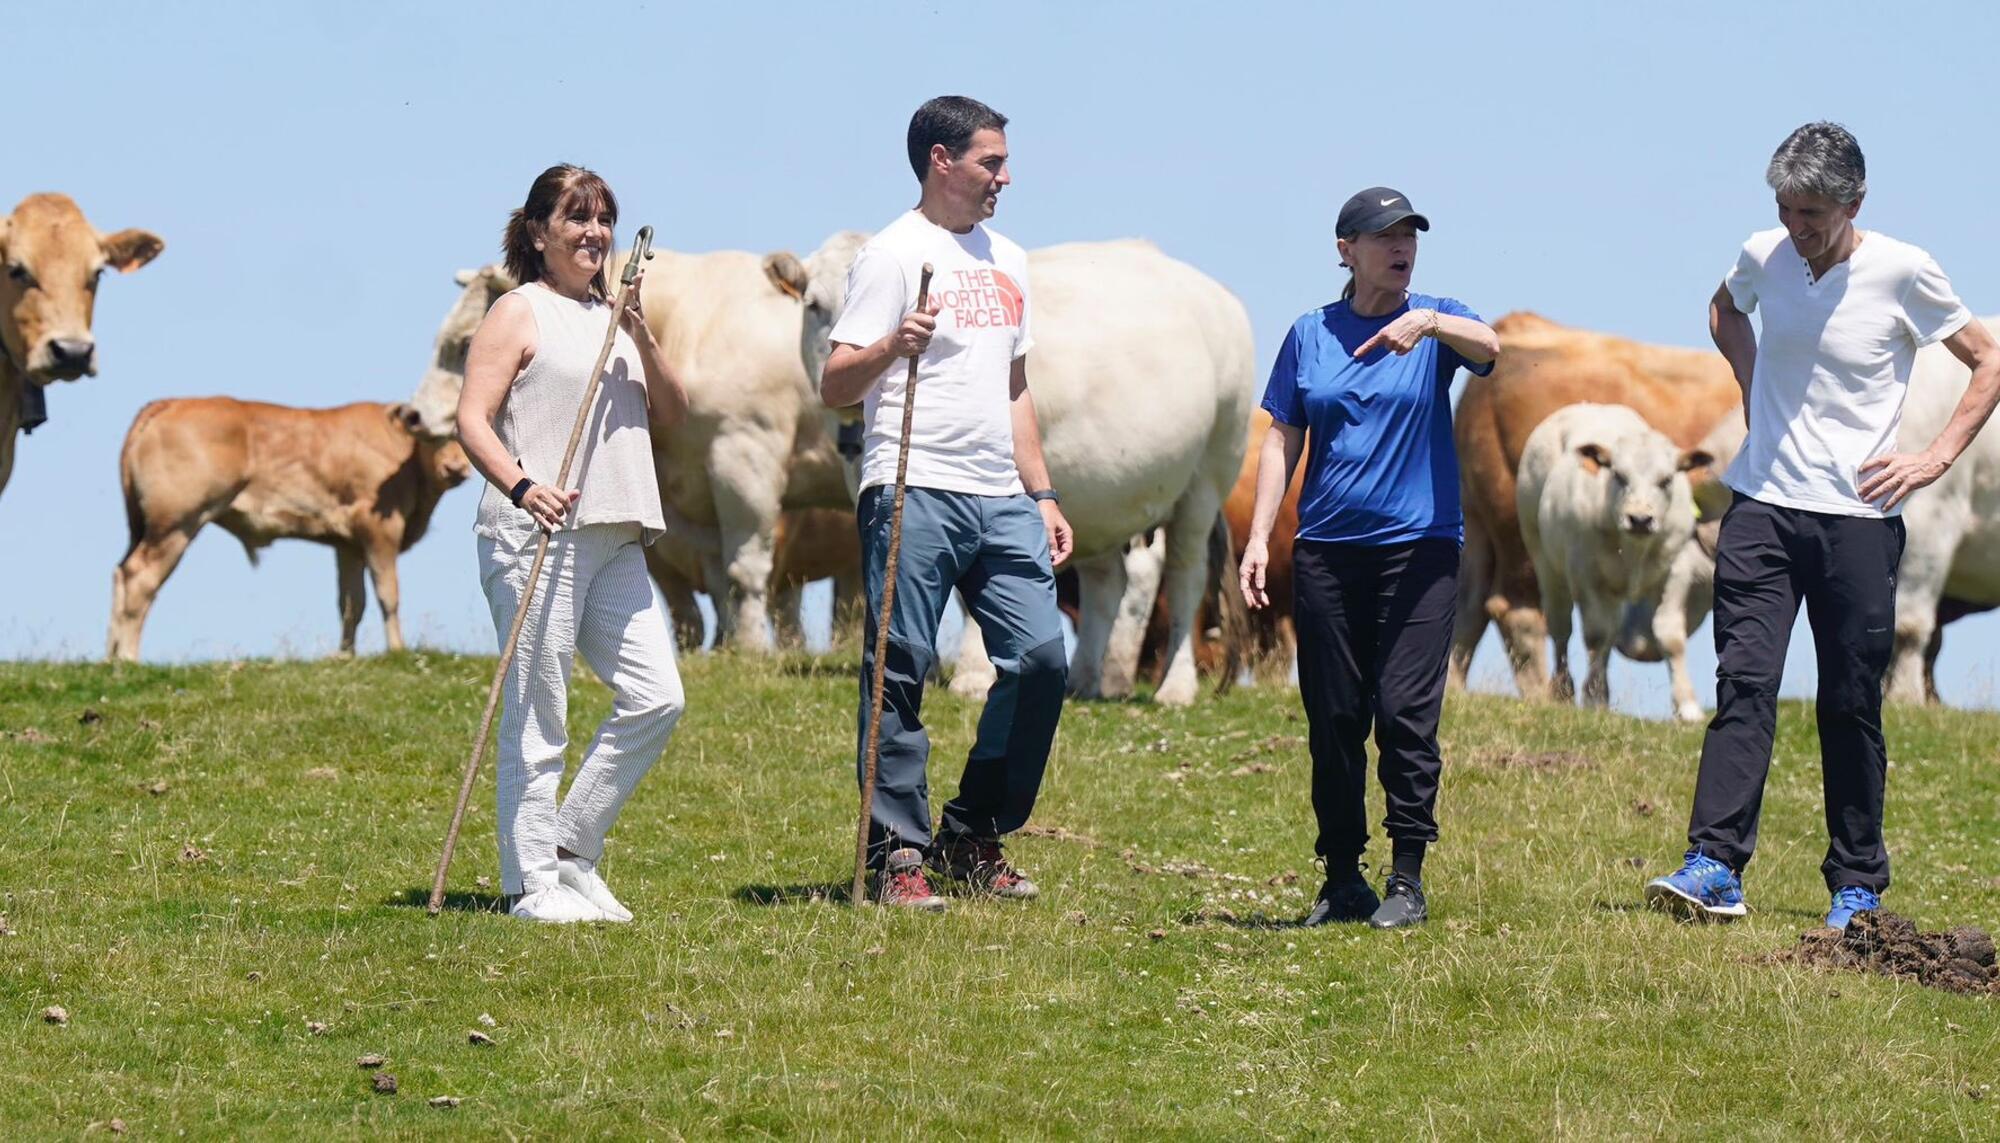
(319, 172)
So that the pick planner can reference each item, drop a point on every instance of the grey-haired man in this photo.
(1819, 489)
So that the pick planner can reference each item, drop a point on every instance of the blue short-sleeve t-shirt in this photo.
(1380, 464)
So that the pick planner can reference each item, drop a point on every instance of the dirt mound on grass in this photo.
(1958, 960)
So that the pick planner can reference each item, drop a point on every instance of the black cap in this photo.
(1377, 208)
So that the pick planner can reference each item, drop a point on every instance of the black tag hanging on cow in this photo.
(34, 406)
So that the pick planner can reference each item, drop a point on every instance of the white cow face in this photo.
(819, 284)
(435, 405)
(1645, 482)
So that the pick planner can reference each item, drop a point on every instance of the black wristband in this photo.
(1045, 494)
(520, 490)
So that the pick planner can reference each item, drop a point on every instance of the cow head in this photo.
(1645, 483)
(442, 460)
(51, 258)
(435, 404)
(819, 285)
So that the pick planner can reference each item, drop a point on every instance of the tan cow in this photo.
(361, 478)
(1683, 393)
(50, 260)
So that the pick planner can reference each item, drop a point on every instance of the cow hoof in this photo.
(1690, 712)
(1175, 693)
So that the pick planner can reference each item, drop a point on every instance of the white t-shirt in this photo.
(1833, 365)
(962, 438)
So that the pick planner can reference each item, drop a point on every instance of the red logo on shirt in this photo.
(981, 298)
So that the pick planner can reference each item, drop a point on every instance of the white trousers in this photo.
(594, 597)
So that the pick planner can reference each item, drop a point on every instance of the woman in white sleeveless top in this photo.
(525, 375)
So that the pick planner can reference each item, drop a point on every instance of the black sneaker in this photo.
(1402, 904)
(1343, 898)
(980, 863)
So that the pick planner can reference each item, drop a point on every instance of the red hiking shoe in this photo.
(901, 883)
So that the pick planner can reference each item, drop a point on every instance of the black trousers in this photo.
(1843, 568)
(1374, 630)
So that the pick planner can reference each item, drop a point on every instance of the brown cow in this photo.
(814, 544)
(1544, 366)
(362, 478)
(50, 260)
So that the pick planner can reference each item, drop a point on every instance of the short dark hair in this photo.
(950, 121)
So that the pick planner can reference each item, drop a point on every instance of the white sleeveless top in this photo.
(614, 458)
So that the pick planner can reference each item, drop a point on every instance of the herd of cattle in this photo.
(1589, 468)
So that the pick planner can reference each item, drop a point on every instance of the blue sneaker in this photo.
(1847, 901)
(1704, 888)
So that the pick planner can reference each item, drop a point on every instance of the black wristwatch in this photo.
(1048, 494)
(520, 490)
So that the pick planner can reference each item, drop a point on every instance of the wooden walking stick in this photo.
(859, 893)
(642, 249)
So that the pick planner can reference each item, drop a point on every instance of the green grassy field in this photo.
(216, 859)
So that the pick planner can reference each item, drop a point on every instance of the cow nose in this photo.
(72, 352)
(1638, 525)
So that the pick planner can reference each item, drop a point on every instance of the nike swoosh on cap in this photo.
(1391, 201)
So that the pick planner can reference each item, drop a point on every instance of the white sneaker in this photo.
(556, 905)
(580, 875)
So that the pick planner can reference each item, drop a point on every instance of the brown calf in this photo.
(358, 478)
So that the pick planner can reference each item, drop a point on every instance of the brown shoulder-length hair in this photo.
(553, 190)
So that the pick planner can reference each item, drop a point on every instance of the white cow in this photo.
(1655, 633)
(754, 442)
(1144, 376)
(1951, 558)
(1605, 510)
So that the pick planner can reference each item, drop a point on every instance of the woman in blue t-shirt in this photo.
(1366, 382)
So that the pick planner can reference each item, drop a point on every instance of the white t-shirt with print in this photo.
(1833, 365)
(962, 439)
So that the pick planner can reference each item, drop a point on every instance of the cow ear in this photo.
(4, 224)
(501, 280)
(1593, 456)
(128, 250)
(465, 278)
(1694, 458)
(787, 273)
(406, 415)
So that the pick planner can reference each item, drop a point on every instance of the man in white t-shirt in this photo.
(979, 514)
(1817, 513)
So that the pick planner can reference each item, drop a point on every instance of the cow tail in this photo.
(1229, 605)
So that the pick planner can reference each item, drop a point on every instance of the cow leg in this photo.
(353, 594)
(136, 582)
(749, 481)
(786, 599)
(1558, 607)
(1145, 562)
(974, 674)
(1475, 583)
(1100, 588)
(1600, 630)
(1690, 590)
(1187, 577)
(1931, 652)
(1920, 580)
(381, 557)
(847, 605)
(679, 594)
